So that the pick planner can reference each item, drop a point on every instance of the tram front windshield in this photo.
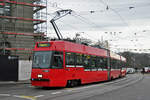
(42, 59)
(47, 59)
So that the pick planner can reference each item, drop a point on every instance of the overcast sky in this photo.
(130, 17)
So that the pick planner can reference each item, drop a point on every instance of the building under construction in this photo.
(22, 23)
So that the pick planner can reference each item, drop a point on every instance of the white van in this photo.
(130, 70)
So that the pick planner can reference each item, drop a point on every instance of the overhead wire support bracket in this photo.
(59, 14)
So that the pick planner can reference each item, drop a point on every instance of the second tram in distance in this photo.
(63, 63)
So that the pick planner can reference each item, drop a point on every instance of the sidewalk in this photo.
(15, 82)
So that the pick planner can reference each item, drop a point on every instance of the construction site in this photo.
(22, 23)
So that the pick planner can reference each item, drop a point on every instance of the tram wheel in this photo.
(73, 83)
(112, 78)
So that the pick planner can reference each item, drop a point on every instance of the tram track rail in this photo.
(78, 92)
(100, 88)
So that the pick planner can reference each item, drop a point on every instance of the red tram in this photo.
(63, 63)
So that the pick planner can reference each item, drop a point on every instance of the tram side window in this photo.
(111, 63)
(101, 62)
(86, 61)
(114, 63)
(123, 64)
(119, 64)
(79, 60)
(93, 62)
(104, 64)
(57, 60)
(98, 62)
(70, 59)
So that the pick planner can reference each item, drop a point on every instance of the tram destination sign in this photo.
(43, 45)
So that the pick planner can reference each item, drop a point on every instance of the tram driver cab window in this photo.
(57, 60)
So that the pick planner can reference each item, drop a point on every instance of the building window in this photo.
(5, 9)
(1, 11)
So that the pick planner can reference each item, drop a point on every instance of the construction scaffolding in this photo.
(22, 23)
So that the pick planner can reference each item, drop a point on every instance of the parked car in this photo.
(130, 70)
(146, 69)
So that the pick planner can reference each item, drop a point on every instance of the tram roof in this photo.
(72, 47)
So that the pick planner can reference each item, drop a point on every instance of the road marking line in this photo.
(39, 96)
(26, 97)
(30, 86)
(69, 90)
(5, 95)
(95, 85)
(56, 92)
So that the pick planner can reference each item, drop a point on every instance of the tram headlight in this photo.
(40, 76)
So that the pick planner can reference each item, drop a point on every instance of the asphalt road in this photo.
(132, 87)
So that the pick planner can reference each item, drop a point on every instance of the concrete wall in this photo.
(25, 67)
